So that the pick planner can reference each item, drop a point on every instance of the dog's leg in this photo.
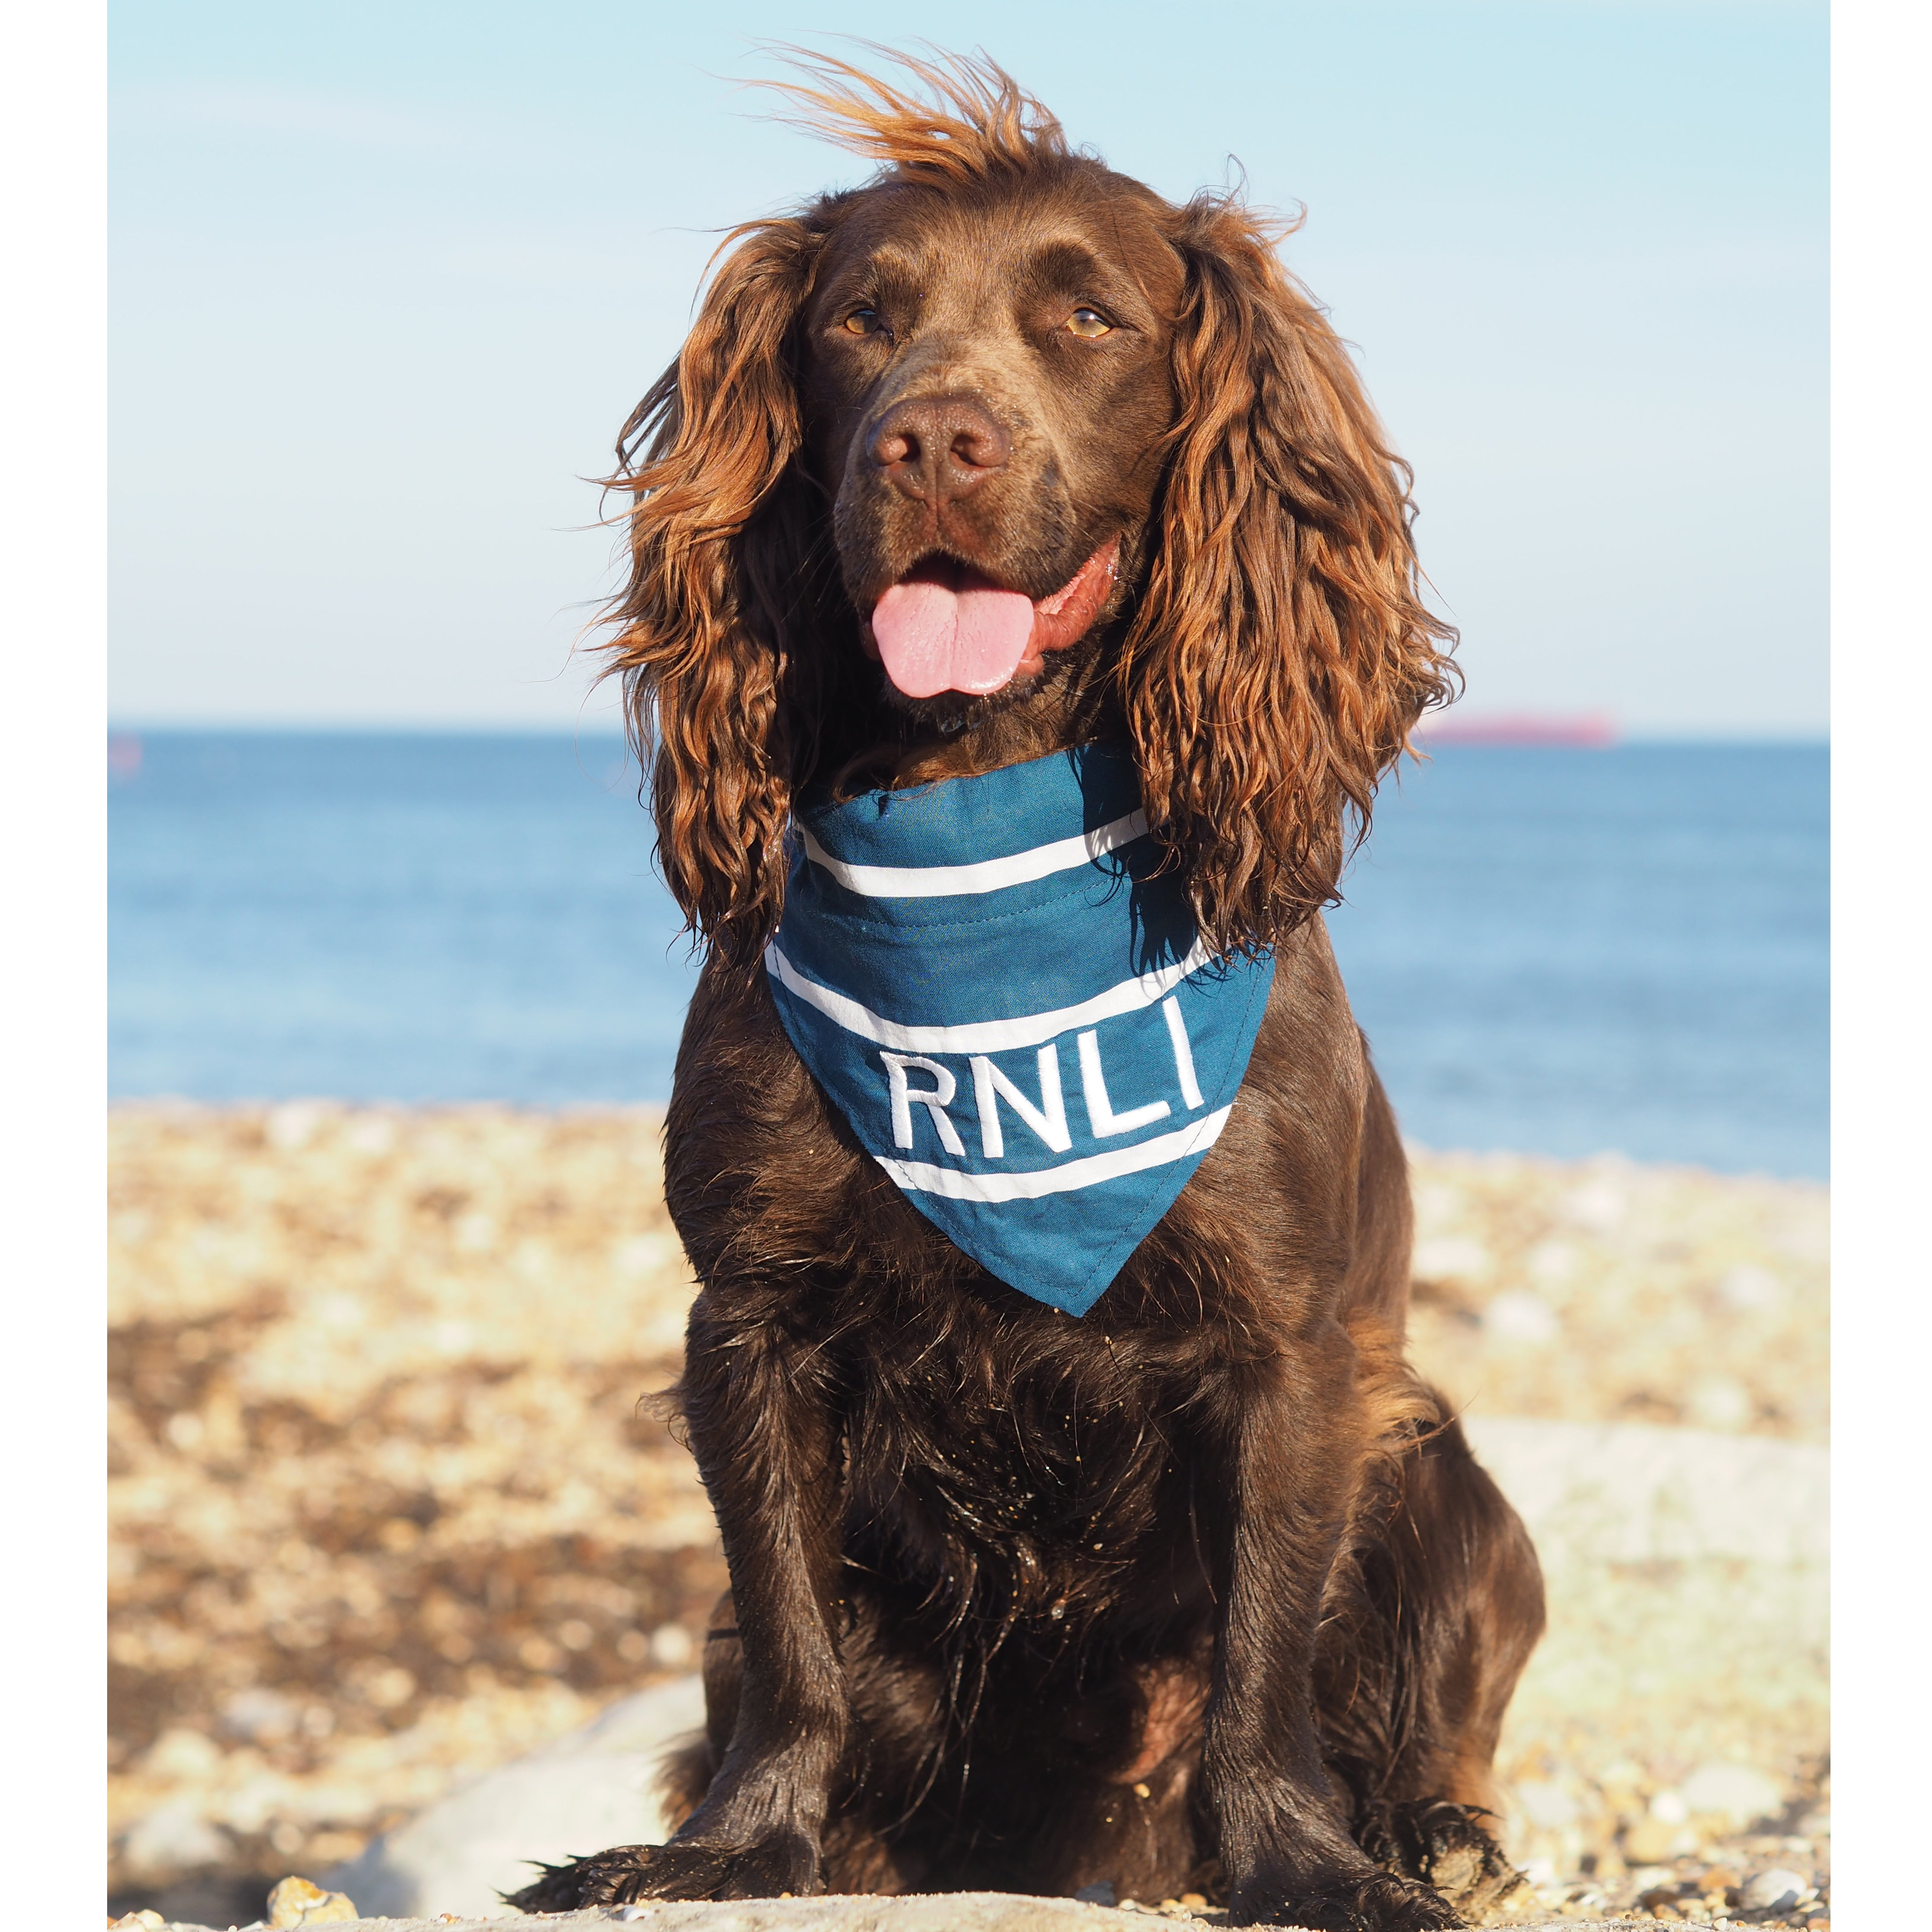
(856, 1857)
(1274, 1492)
(765, 1433)
(1450, 1606)
(1487, 1608)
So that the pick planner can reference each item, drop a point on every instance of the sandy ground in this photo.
(388, 1508)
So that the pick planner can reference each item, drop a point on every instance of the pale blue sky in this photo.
(385, 279)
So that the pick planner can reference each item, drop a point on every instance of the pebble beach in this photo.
(390, 1505)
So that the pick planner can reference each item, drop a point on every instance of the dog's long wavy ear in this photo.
(1281, 653)
(711, 623)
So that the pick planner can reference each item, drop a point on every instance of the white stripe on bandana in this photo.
(936, 882)
(985, 1035)
(917, 1176)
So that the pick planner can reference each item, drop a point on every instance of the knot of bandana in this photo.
(1013, 1009)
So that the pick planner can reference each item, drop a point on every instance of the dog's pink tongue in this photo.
(932, 638)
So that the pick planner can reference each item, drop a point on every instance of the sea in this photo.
(1564, 950)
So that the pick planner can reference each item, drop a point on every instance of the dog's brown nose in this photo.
(937, 448)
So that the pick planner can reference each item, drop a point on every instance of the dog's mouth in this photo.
(945, 626)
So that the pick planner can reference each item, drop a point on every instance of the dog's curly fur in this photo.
(1204, 1591)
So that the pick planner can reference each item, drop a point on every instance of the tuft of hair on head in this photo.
(951, 119)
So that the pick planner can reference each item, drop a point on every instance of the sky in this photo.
(385, 280)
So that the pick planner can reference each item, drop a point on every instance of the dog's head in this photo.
(1002, 451)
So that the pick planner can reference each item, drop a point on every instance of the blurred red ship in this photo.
(1590, 730)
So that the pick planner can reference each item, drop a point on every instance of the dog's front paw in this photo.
(686, 1868)
(1380, 1902)
(1445, 1846)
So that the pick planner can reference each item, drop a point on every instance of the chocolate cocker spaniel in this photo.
(1085, 1524)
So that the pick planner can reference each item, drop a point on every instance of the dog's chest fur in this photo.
(1010, 1464)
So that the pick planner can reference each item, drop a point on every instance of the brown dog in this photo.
(1203, 1590)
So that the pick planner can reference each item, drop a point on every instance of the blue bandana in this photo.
(1014, 1010)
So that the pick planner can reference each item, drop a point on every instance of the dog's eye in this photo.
(1089, 322)
(863, 322)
